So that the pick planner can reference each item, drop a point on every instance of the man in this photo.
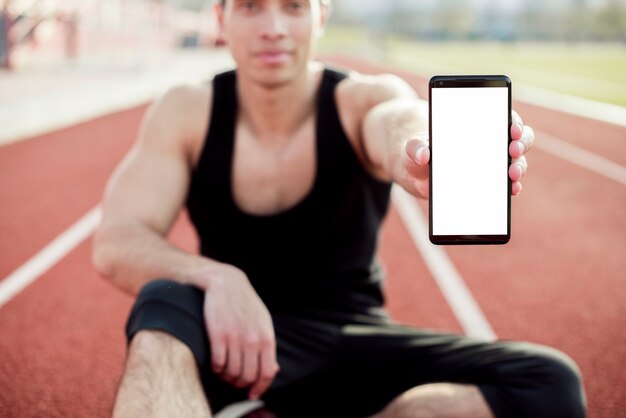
(285, 168)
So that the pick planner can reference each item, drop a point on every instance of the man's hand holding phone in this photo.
(471, 161)
(522, 141)
(417, 157)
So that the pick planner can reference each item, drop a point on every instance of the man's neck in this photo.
(275, 113)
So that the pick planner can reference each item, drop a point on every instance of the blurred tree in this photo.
(577, 21)
(609, 23)
(455, 18)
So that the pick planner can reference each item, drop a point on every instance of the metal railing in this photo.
(19, 23)
(32, 29)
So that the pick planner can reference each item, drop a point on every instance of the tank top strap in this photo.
(336, 153)
(215, 160)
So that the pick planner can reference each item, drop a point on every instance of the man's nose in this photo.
(274, 26)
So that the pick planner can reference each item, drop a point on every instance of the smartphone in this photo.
(470, 133)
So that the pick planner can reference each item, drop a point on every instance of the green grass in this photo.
(593, 71)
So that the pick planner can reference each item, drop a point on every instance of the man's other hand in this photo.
(241, 333)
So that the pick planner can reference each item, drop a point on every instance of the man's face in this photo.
(272, 41)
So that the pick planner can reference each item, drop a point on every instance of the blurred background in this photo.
(47, 32)
(571, 46)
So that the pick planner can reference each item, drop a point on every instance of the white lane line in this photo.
(579, 106)
(49, 256)
(580, 157)
(454, 289)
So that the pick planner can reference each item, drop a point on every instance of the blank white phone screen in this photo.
(470, 143)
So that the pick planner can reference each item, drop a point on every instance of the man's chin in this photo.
(273, 76)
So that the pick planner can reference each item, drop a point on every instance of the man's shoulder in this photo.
(183, 98)
(373, 89)
(358, 93)
(382, 86)
(182, 113)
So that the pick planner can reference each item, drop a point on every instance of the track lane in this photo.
(62, 340)
(412, 295)
(62, 343)
(50, 181)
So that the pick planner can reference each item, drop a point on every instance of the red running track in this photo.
(559, 282)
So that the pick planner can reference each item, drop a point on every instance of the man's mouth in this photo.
(273, 57)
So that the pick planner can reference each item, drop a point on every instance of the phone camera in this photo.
(441, 83)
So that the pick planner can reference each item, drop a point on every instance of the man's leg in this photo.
(389, 365)
(438, 400)
(161, 379)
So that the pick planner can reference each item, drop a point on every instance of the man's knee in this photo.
(149, 346)
(566, 384)
(168, 314)
(559, 391)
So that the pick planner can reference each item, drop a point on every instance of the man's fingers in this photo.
(218, 355)
(417, 150)
(233, 366)
(414, 174)
(523, 143)
(516, 172)
(518, 168)
(422, 155)
(516, 188)
(516, 131)
(250, 367)
(268, 367)
(528, 137)
(414, 169)
(523, 139)
(416, 158)
(516, 118)
(422, 187)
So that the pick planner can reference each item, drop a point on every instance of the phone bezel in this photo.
(468, 81)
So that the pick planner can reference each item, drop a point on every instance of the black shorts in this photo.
(353, 366)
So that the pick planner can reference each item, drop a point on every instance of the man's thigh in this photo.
(372, 364)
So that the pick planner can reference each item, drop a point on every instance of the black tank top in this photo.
(315, 257)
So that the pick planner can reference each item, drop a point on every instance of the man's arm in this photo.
(142, 200)
(394, 135)
(144, 197)
(397, 122)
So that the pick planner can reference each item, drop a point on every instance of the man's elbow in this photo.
(102, 256)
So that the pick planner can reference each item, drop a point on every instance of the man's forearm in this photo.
(388, 127)
(400, 126)
(132, 255)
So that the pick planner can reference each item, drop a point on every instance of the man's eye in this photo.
(249, 5)
(295, 6)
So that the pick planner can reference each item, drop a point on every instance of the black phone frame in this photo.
(454, 81)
